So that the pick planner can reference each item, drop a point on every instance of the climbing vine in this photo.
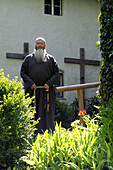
(106, 48)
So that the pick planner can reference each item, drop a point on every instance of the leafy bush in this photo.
(106, 114)
(68, 113)
(89, 104)
(75, 107)
(106, 120)
(16, 116)
(63, 149)
(64, 113)
(78, 149)
(106, 48)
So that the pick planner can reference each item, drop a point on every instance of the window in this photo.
(48, 7)
(59, 83)
(53, 7)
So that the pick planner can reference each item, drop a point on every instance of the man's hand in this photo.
(46, 86)
(34, 87)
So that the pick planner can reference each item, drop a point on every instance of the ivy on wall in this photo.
(106, 48)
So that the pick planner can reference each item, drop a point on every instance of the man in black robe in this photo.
(39, 72)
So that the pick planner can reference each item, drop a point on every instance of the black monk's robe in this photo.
(39, 74)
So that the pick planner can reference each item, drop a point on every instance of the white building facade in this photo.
(67, 26)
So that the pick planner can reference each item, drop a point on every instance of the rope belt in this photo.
(47, 96)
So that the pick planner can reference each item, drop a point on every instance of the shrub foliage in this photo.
(81, 148)
(64, 113)
(15, 121)
(89, 105)
(106, 48)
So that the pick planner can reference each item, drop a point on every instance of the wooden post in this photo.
(81, 103)
(80, 99)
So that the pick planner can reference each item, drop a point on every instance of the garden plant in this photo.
(106, 48)
(16, 121)
(67, 148)
(80, 148)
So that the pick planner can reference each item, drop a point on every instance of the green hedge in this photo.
(16, 116)
(64, 113)
(106, 48)
(80, 149)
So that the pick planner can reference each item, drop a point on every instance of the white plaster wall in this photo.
(24, 20)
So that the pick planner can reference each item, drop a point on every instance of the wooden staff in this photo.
(47, 97)
(47, 91)
(35, 100)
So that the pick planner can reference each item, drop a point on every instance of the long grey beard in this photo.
(39, 55)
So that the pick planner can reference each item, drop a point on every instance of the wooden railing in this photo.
(79, 88)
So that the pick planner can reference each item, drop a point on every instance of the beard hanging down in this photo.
(39, 55)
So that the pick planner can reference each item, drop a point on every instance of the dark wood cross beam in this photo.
(18, 55)
(82, 63)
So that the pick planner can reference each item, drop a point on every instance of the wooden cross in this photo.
(82, 63)
(18, 55)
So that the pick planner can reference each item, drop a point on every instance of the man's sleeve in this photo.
(55, 75)
(24, 73)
